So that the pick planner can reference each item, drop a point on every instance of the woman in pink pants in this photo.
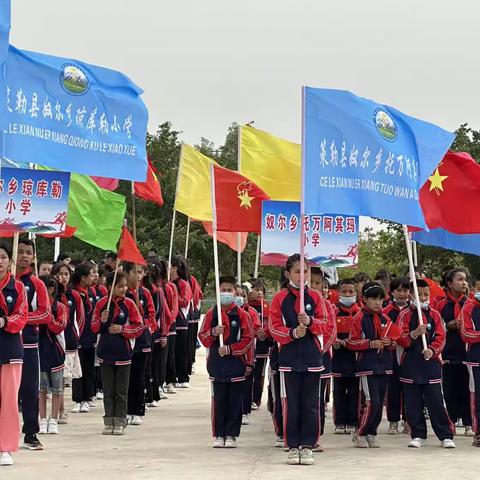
(13, 316)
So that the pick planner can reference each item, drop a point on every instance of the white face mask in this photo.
(423, 305)
(292, 284)
(400, 303)
(477, 296)
(348, 301)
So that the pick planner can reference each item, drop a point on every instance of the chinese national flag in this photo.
(450, 194)
(238, 202)
(128, 250)
(150, 189)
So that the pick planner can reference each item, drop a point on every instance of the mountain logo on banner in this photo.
(385, 125)
(73, 80)
(243, 190)
(436, 181)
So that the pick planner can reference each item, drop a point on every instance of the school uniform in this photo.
(141, 351)
(254, 324)
(172, 299)
(14, 309)
(300, 363)
(275, 399)
(38, 313)
(195, 313)
(227, 373)
(171, 306)
(99, 291)
(373, 367)
(262, 351)
(344, 367)
(470, 331)
(394, 392)
(455, 372)
(115, 354)
(422, 379)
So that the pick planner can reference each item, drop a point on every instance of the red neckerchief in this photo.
(26, 272)
(3, 284)
(377, 323)
(353, 310)
(456, 302)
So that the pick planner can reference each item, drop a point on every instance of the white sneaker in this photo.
(136, 420)
(339, 430)
(416, 443)
(245, 420)
(293, 456)
(306, 456)
(469, 432)
(448, 443)
(43, 426)
(99, 396)
(163, 396)
(254, 406)
(84, 407)
(154, 404)
(52, 426)
(76, 408)
(218, 442)
(183, 385)
(63, 419)
(92, 403)
(372, 441)
(171, 388)
(6, 459)
(193, 369)
(129, 419)
(230, 442)
(360, 442)
(280, 443)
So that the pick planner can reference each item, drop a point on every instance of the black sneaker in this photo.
(31, 442)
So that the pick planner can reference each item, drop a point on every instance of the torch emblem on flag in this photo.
(243, 190)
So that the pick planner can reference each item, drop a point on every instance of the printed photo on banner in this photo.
(33, 201)
(330, 240)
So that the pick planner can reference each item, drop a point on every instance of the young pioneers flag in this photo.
(365, 158)
(79, 117)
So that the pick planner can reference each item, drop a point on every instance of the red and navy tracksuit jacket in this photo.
(254, 323)
(392, 310)
(299, 354)
(344, 363)
(197, 296)
(470, 331)
(262, 347)
(88, 339)
(100, 291)
(366, 327)
(14, 309)
(413, 367)
(52, 340)
(116, 348)
(76, 319)
(236, 336)
(38, 307)
(172, 301)
(185, 297)
(329, 340)
(449, 308)
(161, 314)
(143, 298)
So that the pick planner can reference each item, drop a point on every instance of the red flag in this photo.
(447, 194)
(106, 183)
(128, 250)
(238, 202)
(228, 238)
(150, 189)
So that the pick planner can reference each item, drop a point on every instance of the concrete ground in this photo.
(174, 443)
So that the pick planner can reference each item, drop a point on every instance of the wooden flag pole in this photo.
(13, 268)
(414, 281)
(415, 255)
(239, 236)
(110, 296)
(215, 250)
(35, 259)
(257, 257)
(302, 212)
(134, 212)
(188, 235)
(56, 249)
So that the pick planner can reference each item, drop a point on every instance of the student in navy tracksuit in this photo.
(13, 317)
(117, 327)
(38, 313)
(83, 389)
(300, 361)
(421, 370)
(226, 365)
(374, 362)
(179, 276)
(470, 331)
(455, 372)
(195, 313)
(344, 365)
(400, 300)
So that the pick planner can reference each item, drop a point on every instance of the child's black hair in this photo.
(228, 279)
(373, 290)
(400, 282)
(6, 249)
(258, 284)
(291, 261)
(420, 284)
(111, 276)
(450, 275)
(182, 267)
(50, 281)
(28, 242)
(81, 270)
(362, 277)
(345, 281)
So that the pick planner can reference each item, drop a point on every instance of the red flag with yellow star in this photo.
(238, 202)
(449, 195)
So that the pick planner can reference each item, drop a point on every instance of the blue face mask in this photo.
(348, 301)
(239, 301)
(226, 298)
(477, 296)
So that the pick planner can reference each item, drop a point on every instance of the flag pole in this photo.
(215, 249)
(186, 240)
(239, 240)
(257, 257)
(35, 260)
(110, 296)
(302, 212)
(134, 211)
(13, 269)
(414, 281)
(415, 256)
(56, 249)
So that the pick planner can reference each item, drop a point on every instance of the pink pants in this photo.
(10, 377)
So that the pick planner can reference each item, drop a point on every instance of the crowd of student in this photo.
(364, 334)
(123, 333)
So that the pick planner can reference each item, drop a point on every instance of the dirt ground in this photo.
(174, 443)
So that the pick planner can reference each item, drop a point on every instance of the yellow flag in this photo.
(193, 197)
(272, 163)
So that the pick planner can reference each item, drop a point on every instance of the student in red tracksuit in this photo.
(470, 331)
(226, 364)
(421, 370)
(374, 362)
(13, 317)
(455, 372)
(400, 300)
(52, 357)
(179, 276)
(300, 361)
(38, 314)
(195, 313)
(172, 300)
(117, 328)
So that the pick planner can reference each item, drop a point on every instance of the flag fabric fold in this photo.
(128, 250)
(150, 190)
(438, 237)
(106, 183)
(228, 238)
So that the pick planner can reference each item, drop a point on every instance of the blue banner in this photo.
(330, 240)
(4, 28)
(33, 201)
(451, 241)
(72, 116)
(364, 158)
